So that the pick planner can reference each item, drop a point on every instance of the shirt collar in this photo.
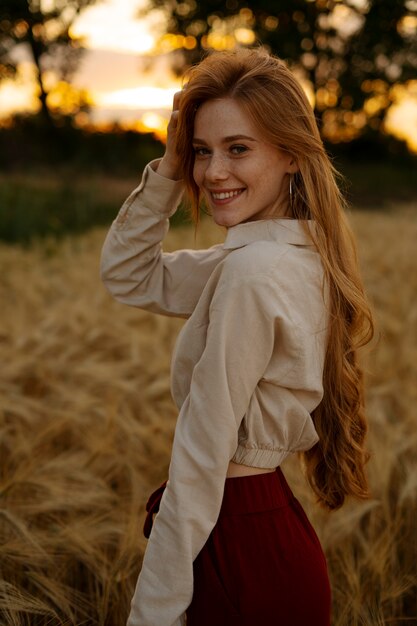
(281, 230)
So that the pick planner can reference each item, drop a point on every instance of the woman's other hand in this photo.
(169, 164)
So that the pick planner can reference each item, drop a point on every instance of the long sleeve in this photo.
(243, 321)
(247, 368)
(134, 268)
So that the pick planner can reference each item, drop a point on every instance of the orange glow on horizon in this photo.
(401, 119)
(148, 123)
(152, 122)
(148, 97)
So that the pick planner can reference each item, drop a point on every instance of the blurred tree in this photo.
(42, 26)
(352, 52)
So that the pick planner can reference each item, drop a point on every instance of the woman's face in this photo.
(242, 176)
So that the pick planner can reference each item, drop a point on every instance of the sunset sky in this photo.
(130, 81)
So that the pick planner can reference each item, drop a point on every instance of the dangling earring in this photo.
(291, 193)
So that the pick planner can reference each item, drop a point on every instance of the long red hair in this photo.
(273, 98)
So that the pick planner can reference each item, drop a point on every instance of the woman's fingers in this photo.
(169, 165)
(174, 118)
(176, 100)
(172, 127)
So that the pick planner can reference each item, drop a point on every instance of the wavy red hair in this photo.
(274, 99)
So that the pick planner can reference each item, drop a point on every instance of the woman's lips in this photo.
(224, 196)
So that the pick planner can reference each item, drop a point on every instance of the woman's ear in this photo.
(292, 166)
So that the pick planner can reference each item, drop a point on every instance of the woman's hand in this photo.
(169, 164)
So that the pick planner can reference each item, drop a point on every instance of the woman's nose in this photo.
(217, 168)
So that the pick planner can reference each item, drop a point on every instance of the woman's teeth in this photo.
(226, 194)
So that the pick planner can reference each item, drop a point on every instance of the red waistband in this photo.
(255, 493)
(242, 494)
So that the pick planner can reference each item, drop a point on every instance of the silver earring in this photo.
(291, 192)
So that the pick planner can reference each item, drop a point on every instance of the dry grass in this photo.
(87, 421)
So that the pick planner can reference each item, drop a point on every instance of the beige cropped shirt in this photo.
(246, 370)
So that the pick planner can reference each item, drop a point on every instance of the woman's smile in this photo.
(241, 175)
(225, 196)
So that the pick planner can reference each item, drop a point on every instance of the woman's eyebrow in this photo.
(226, 139)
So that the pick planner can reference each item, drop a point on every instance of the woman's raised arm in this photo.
(134, 268)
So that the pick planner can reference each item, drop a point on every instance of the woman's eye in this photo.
(199, 151)
(238, 149)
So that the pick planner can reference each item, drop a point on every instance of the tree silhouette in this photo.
(44, 29)
(352, 52)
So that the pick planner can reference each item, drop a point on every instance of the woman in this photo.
(265, 365)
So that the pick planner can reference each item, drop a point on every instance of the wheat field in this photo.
(87, 422)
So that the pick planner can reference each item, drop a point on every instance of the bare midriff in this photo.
(236, 469)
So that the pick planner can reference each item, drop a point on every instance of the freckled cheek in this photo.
(270, 178)
(198, 174)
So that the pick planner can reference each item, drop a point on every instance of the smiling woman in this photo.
(265, 365)
(239, 172)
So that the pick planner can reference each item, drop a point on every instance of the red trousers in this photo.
(262, 564)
